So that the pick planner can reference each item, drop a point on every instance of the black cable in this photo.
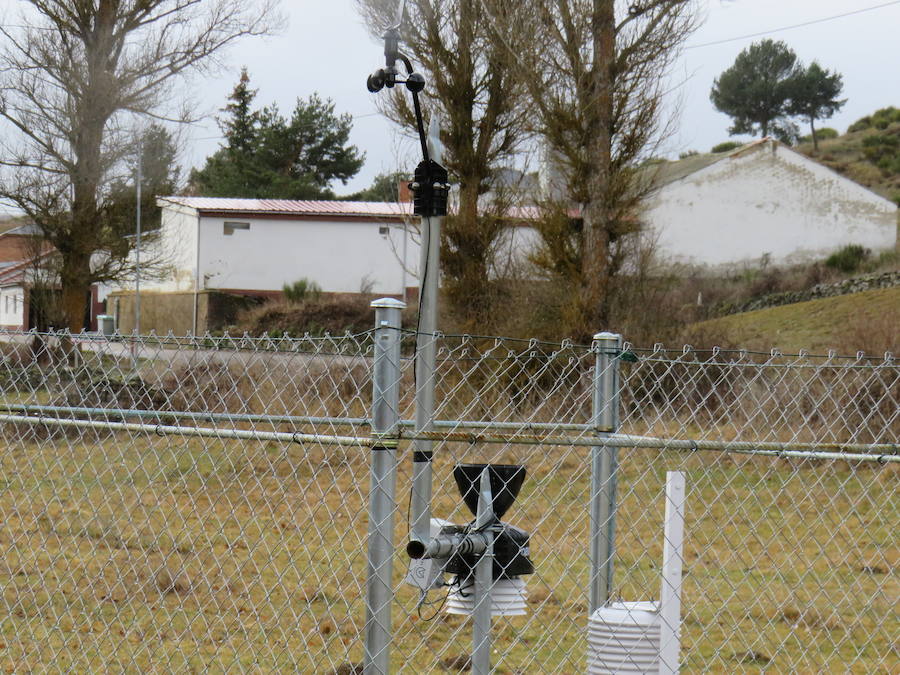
(796, 25)
(455, 582)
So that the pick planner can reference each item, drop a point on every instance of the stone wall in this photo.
(856, 285)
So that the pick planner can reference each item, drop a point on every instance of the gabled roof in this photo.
(670, 172)
(291, 207)
(13, 273)
(28, 230)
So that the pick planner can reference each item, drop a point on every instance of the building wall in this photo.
(768, 200)
(14, 247)
(173, 252)
(12, 308)
(341, 256)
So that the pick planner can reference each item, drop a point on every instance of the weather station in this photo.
(487, 558)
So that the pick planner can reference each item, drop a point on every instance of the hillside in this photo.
(869, 153)
(868, 321)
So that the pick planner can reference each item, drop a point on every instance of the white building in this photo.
(247, 245)
(254, 247)
(13, 308)
(763, 199)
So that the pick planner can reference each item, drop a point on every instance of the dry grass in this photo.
(157, 554)
(148, 553)
(868, 321)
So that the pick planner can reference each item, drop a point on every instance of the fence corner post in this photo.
(382, 500)
(604, 466)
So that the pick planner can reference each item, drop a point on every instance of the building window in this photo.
(231, 226)
(383, 230)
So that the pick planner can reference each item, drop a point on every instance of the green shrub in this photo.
(300, 290)
(848, 259)
(688, 153)
(880, 119)
(727, 146)
(883, 150)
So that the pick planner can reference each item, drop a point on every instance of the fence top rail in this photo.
(450, 341)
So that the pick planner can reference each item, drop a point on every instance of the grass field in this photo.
(160, 554)
(869, 321)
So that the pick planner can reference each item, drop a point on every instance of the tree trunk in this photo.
(75, 279)
(466, 259)
(812, 126)
(593, 310)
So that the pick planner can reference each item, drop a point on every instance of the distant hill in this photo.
(868, 321)
(869, 153)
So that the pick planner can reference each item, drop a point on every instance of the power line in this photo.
(796, 25)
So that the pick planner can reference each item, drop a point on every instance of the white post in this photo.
(670, 593)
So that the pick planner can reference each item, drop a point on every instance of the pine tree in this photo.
(814, 96)
(267, 156)
(756, 91)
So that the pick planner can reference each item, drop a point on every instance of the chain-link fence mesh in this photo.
(202, 503)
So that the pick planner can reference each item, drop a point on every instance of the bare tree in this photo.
(75, 79)
(475, 86)
(597, 71)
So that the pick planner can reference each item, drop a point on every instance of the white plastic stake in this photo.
(670, 593)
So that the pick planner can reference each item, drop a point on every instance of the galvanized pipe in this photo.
(382, 500)
(604, 468)
(186, 415)
(484, 568)
(884, 453)
(203, 432)
(302, 419)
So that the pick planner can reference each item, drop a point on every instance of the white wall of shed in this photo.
(768, 200)
(340, 256)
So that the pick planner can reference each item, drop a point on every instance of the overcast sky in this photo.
(325, 48)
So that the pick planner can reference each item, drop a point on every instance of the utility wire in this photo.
(796, 25)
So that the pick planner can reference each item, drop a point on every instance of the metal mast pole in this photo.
(483, 580)
(426, 349)
(137, 243)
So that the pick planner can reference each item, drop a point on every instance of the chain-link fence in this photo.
(204, 503)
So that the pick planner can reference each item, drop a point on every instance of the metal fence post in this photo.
(382, 502)
(483, 580)
(604, 467)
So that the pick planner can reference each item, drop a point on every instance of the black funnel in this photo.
(506, 481)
